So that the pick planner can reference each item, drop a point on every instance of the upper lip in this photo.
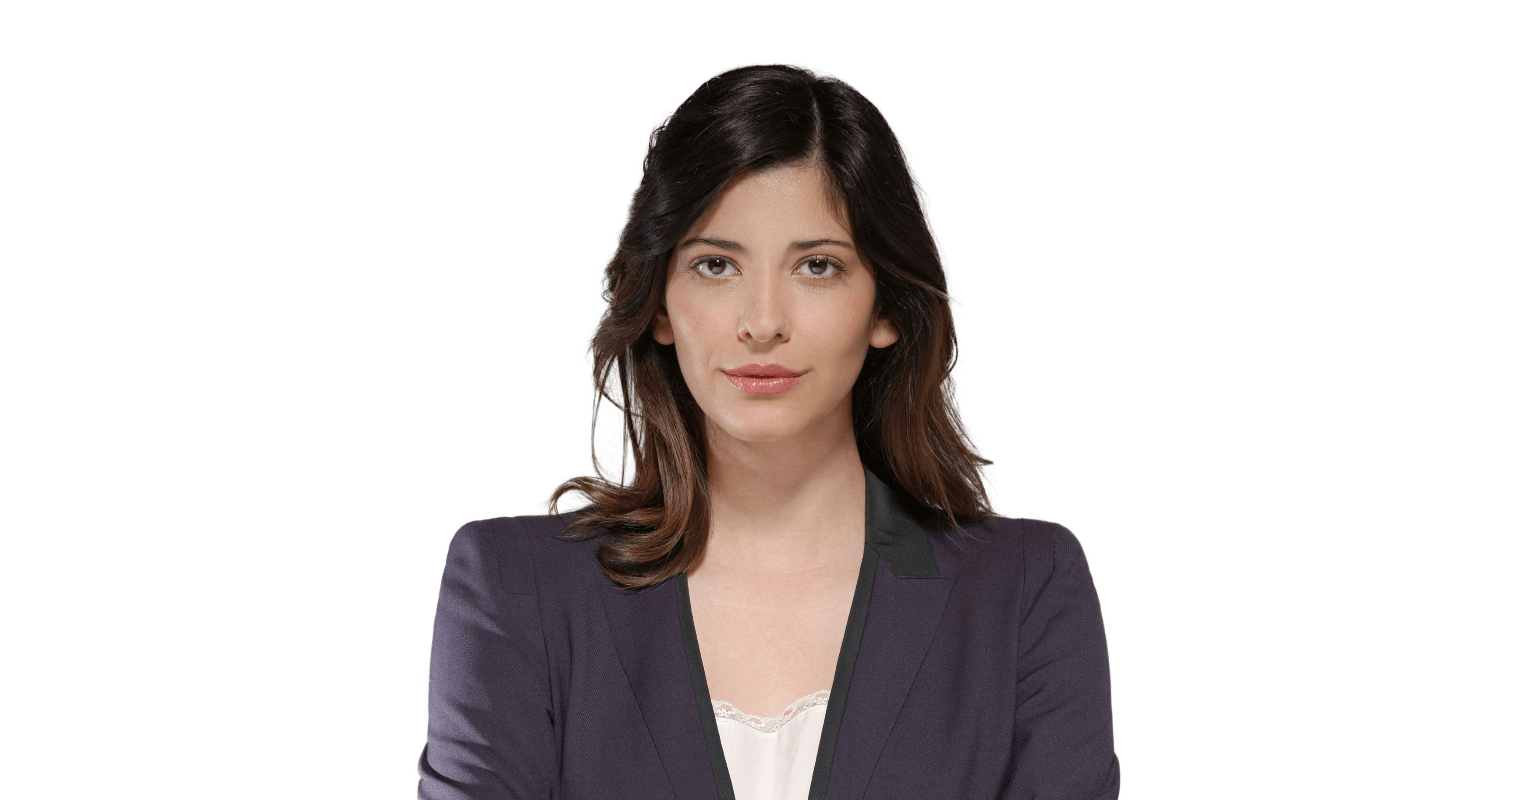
(762, 371)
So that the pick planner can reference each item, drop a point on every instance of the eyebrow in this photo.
(727, 244)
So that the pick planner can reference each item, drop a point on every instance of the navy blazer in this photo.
(971, 668)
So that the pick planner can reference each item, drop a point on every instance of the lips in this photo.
(763, 371)
(762, 378)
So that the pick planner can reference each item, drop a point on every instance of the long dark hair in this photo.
(907, 430)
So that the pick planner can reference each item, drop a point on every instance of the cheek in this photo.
(858, 340)
(697, 325)
(853, 327)
(842, 336)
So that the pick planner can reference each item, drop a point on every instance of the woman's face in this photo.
(768, 276)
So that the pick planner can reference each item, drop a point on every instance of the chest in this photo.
(766, 643)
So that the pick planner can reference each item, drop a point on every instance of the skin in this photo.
(773, 592)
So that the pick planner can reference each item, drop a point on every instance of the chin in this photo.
(759, 427)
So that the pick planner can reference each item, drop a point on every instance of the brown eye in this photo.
(822, 267)
(715, 266)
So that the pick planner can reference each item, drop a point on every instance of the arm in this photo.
(490, 729)
(1063, 742)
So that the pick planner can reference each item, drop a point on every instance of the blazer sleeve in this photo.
(491, 732)
(1063, 736)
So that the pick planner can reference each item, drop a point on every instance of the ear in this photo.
(662, 329)
(884, 333)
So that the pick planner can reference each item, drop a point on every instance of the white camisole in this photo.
(771, 758)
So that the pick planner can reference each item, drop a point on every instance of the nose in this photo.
(764, 314)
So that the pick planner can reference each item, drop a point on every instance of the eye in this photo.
(714, 266)
(822, 267)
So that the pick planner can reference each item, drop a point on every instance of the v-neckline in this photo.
(855, 624)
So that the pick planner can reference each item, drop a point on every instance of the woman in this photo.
(803, 592)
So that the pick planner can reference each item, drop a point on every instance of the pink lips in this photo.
(763, 378)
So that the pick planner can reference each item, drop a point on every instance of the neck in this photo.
(786, 510)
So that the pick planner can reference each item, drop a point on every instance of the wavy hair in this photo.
(907, 429)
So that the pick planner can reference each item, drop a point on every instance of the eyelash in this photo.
(839, 269)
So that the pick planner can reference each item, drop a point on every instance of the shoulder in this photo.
(1031, 550)
(524, 554)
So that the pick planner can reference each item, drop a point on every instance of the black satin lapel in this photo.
(844, 668)
(892, 626)
(898, 538)
(724, 782)
(901, 620)
(648, 638)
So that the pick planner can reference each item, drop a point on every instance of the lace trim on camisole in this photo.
(725, 710)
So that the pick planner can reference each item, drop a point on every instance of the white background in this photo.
(1245, 295)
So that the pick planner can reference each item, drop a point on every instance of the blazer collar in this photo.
(896, 536)
(893, 617)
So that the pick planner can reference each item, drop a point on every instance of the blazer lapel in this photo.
(645, 627)
(908, 596)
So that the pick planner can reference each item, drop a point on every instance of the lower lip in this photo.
(762, 385)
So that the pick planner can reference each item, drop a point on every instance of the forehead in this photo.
(793, 201)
